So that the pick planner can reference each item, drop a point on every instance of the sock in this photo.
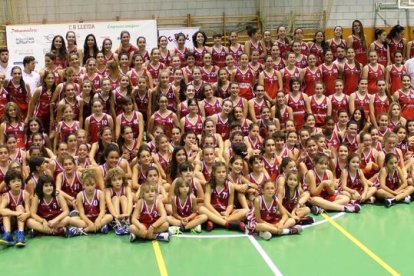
(392, 199)
(285, 231)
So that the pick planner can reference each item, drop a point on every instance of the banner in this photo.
(35, 40)
(171, 32)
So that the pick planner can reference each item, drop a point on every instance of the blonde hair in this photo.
(115, 172)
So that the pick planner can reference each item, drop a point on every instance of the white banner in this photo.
(170, 33)
(35, 40)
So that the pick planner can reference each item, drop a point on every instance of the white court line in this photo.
(324, 220)
(265, 257)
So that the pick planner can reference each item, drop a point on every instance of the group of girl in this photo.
(213, 138)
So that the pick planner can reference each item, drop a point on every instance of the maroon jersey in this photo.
(205, 171)
(396, 76)
(223, 127)
(287, 76)
(181, 54)
(119, 99)
(334, 141)
(42, 106)
(96, 80)
(166, 121)
(209, 75)
(19, 156)
(199, 55)
(91, 207)
(212, 108)
(365, 159)
(236, 53)
(284, 48)
(149, 215)
(329, 75)
(279, 65)
(220, 199)
(49, 210)
(373, 76)
(406, 101)
(319, 110)
(165, 58)
(362, 102)
(381, 105)
(219, 56)
(324, 193)
(246, 81)
(396, 46)
(224, 92)
(302, 63)
(360, 50)
(170, 95)
(392, 180)
(382, 53)
(334, 46)
(354, 182)
(15, 201)
(75, 107)
(133, 122)
(299, 109)
(58, 168)
(4, 99)
(18, 131)
(142, 102)
(64, 129)
(18, 96)
(184, 209)
(351, 76)
(290, 201)
(272, 167)
(71, 188)
(136, 75)
(155, 71)
(258, 46)
(258, 106)
(338, 104)
(95, 125)
(350, 143)
(318, 52)
(269, 213)
(309, 79)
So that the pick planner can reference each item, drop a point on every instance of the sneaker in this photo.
(196, 230)
(388, 202)
(74, 213)
(295, 230)
(164, 236)
(209, 225)
(105, 229)
(306, 221)
(407, 199)
(32, 233)
(7, 239)
(371, 200)
(174, 230)
(132, 237)
(316, 210)
(125, 229)
(265, 235)
(119, 229)
(352, 208)
(20, 239)
(61, 231)
(236, 225)
(75, 231)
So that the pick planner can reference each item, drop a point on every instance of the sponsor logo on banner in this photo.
(25, 40)
(171, 34)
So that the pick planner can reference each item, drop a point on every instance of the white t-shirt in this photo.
(410, 69)
(6, 71)
(32, 79)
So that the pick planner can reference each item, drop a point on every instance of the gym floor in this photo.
(377, 241)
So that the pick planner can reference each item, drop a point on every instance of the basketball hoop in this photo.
(405, 4)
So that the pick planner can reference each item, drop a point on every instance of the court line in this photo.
(160, 259)
(265, 257)
(361, 246)
(324, 220)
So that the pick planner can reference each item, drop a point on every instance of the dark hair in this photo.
(34, 162)
(28, 59)
(110, 148)
(389, 156)
(11, 175)
(216, 165)
(86, 54)
(394, 31)
(43, 179)
(378, 33)
(240, 149)
(284, 163)
(360, 123)
(174, 166)
(194, 38)
(251, 30)
(185, 167)
(63, 52)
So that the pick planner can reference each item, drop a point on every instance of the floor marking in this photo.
(265, 257)
(361, 246)
(324, 220)
(160, 259)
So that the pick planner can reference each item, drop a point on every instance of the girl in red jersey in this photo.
(205, 164)
(245, 77)
(182, 108)
(299, 102)
(164, 88)
(125, 45)
(35, 127)
(403, 145)
(181, 50)
(394, 73)
(379, 103)
(66, 126)
(393, 184)
(405, 97)
(253, 140)
(360, 98)
(58, 48)
(4, 95)
(59, 92)
(281, 111)
(237, 100)
(301, 60)
(192, 121)
(219, 199)
(330, 72)
(289, 72)
(241, 119)
(372, 72)
(390, 141)
(235, 48)
(254, 43)
(267, 40)
(200, 49)
(38, 166)
(211, 104)
(257, 103)
(222, 87)
(68, 182)
(270, 79)
(149, 219)
(351, 74)
(185, 215)
(51, 67)
(154, 66)
(358, 42)
(14, 208)
(12, 123)
(298, 36)
(97, 121)
(209, 129)
(267, 124)
(317, 47)
(370, 157)
(118, 197)
(127, 143)
(218, 51)
(165, 55)
(337, 40)
(144, 161)
(255, 65)
(339, 163)
(394, 113)
(49, 211)
(105, 138)
(278, 62)
(339, 100)
(72, 142)
(282, 41)
(142, 50)
(322, 188)
(142, 99)
(19, 91)
(138, 70)
(310, 124)
(310, 75)
(91, 74)
(107, 96)
(353, 182)
(271, 162)
(293, 199)
(380, 46)
(123, 92)
(221, 120)
(15, 154)
(91, 205)
(188, 70)
(70, 99)
(320, 105)
(39, 105)
(163, 151)
(292, 144)
(90, 48)
(272, 218)
(108, 55)
(132, 118)
(397, 42)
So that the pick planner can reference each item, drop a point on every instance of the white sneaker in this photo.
(132, 237)
(174, 230)
(407, 199)
(196, 229)
(265, 235)
(164, 236)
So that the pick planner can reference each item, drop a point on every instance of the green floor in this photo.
(319, 250)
